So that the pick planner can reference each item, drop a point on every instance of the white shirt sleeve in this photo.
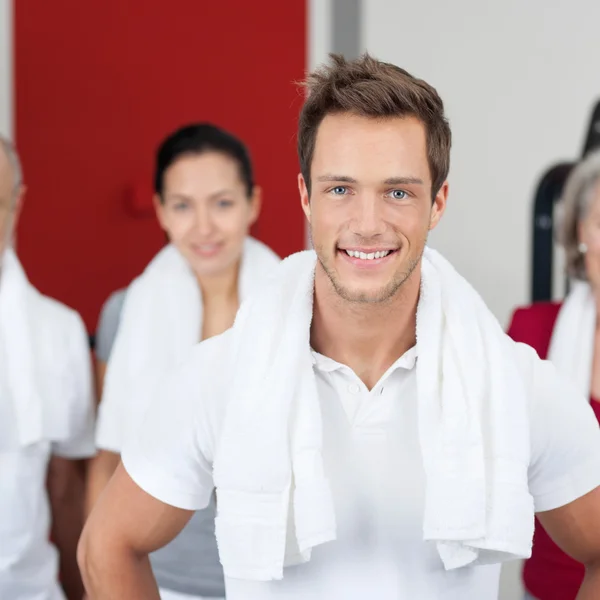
(111, 426)
(565, 439)
(108, 324)
(116, 402)
(170, 456)
(79, 442)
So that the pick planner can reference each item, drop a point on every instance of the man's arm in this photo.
(100, 375)
(169, 457)
(124, 527)
(66, 493)
(575, 528)
(101, 468)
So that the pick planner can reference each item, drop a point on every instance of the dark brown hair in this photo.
(371, 88)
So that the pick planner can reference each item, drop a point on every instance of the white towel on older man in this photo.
(160, 322)
(45, 370)
(20, 356)
(273, 497)
(572, 343)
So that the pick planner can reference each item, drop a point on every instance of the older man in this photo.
(46, 422)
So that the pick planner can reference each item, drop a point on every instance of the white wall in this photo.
(6, 96)
(518, 80)
(319, 32)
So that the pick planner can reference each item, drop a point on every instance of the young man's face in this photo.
(370, 206)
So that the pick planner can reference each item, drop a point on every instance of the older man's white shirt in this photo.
(28, 560)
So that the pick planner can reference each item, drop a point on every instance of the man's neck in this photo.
(368, 338)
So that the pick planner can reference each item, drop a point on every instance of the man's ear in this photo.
(439, 205)
(304, 196)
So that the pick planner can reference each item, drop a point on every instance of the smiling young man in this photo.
(369, 429)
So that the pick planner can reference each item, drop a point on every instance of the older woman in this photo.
(568, 334)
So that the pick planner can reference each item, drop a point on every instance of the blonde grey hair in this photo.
(13, 160)
(580, 188)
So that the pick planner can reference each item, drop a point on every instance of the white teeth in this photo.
(369, 256)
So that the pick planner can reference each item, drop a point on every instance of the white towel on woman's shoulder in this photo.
(160, 322)
(274, 500)
(572, 343)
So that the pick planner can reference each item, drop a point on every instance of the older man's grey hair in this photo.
(13, 160)
(581, 188)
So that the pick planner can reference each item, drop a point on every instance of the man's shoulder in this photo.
(206, 370)
(65, 364)
(531, 364)
(546, 387)
(195, 394)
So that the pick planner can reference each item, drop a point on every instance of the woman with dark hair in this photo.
(206, 201)
(568, 335)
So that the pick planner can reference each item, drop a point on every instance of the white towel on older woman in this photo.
(572, 343)
(273, 497)
(160, 322)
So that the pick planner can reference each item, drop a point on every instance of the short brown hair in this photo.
(371, 88)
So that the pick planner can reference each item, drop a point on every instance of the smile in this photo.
(206, 250)
(368, 255)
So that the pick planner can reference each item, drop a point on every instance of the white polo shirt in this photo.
(28, 560)
(373, 460)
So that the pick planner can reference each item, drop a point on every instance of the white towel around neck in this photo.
(274, 500)
(572, 343)
(161, 320)
(20, 353)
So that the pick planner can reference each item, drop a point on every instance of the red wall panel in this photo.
(98, 84)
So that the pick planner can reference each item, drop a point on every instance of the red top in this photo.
(549, 574)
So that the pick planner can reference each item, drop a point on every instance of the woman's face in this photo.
(206, 212)
(589, 234)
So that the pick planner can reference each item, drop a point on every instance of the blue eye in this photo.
(399, 194)
(339, 190)
(225, 203)
(180, 206)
